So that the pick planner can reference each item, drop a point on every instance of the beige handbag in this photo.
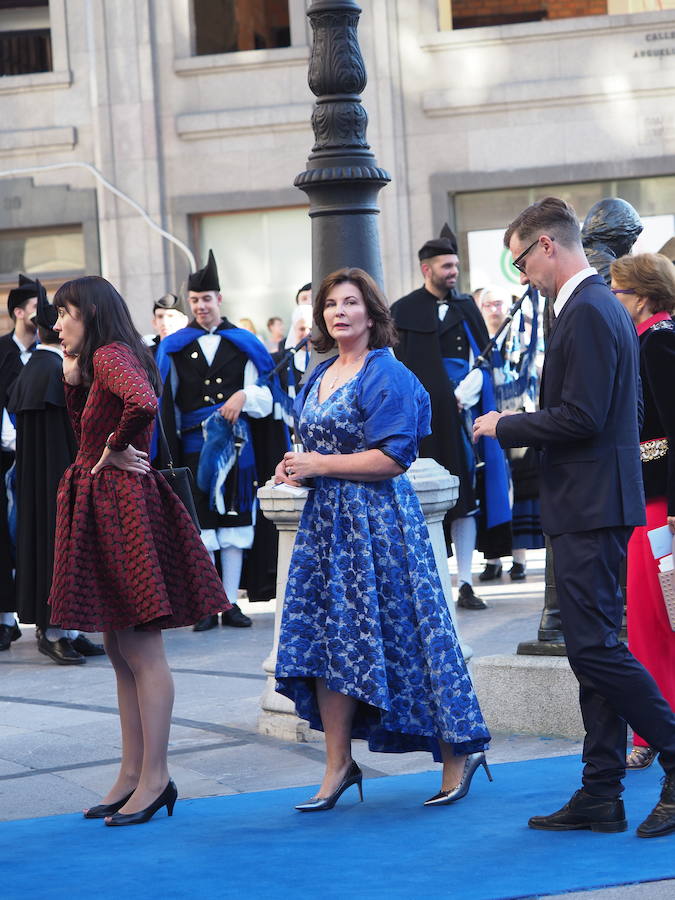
(667, 582)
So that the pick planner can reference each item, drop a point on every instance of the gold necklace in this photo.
(332, 384)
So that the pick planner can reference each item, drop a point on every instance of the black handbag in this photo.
(179, 477)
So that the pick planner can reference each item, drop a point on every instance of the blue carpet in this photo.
(256, 846)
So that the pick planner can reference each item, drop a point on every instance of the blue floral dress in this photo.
(364, 605)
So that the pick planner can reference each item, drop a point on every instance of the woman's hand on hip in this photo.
(671, 522)
(129, 460)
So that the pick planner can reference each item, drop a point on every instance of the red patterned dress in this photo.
(127, 553)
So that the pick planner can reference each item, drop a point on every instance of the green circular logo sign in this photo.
(507, 269)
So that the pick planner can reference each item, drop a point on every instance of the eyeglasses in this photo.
(518, 262)
(617, 291)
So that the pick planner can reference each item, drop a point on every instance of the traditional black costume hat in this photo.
(169, 301)
(18, 295)
(46, 314)
(444, 244)
(205, 279)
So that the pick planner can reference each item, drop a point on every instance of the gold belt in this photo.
(651, 450)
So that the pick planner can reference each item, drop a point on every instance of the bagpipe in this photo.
(523, 380)
(228, 448)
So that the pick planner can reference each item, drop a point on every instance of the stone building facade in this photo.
(471, 122)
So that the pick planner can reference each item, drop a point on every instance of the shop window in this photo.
(25, 37)
(226, 26)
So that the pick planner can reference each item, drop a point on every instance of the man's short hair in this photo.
(272, 320)
(551, 216)
(305, 287)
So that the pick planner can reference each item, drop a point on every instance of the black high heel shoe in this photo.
(166, 798)
(106, 809)
(472, 762)
(316, 804)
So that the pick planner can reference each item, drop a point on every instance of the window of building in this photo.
(51, 254)
(42, 252)
(263, 257)
(478, 13)
(482, 217)
(25, 37)
(226, 26)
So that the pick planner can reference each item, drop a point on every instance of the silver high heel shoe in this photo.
(317, 804)
(472, 762)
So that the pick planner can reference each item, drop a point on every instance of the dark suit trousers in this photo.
(614, 688)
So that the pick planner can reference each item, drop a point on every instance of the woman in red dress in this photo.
(119, 525)
(645, 284)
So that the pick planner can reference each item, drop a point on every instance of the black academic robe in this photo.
(420, 337)
(201, 384)
(10, 366)
(45, 447)
(424, 341)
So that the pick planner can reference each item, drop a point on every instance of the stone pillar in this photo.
(277, 714)
(437, 491)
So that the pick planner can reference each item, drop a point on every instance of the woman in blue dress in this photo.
(367, 647)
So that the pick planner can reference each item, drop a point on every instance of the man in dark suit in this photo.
(591, 498)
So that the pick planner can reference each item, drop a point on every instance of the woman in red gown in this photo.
(645, 284)
(128, 560)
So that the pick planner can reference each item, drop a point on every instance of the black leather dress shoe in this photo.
(584, 811)
(9, 633)
(491, 572)
(235, 618)
(207, 623)
(61, 651)
(661, 820)
(86, 647)
(468, 600)
(517, 572)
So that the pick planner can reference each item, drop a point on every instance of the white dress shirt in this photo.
(567, 289)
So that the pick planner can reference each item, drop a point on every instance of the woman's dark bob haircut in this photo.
(383, 332)
(106, 320)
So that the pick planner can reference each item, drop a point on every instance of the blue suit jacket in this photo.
(587, 424)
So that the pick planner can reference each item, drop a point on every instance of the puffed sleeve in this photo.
(395, 408)
(117, 370)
